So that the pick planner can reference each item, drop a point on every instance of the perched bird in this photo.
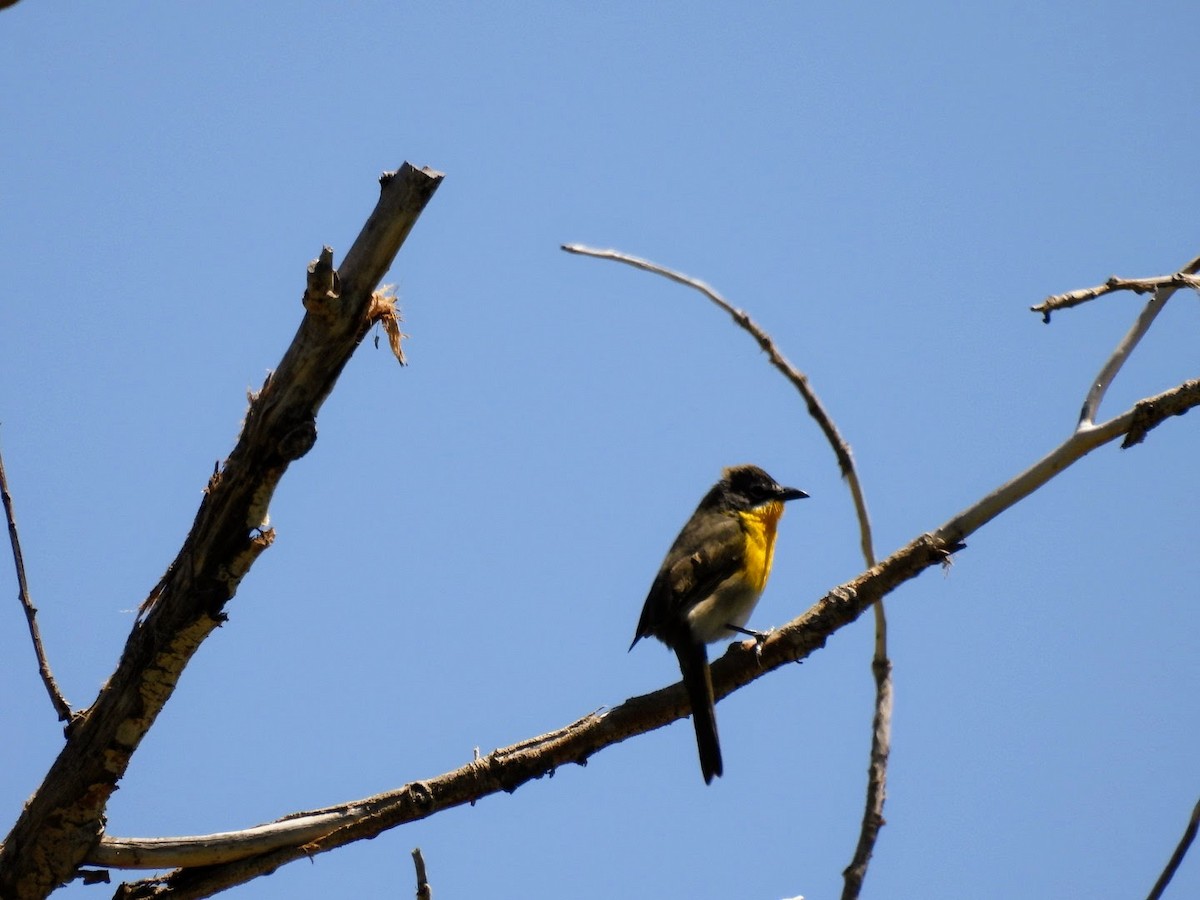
(710, 582)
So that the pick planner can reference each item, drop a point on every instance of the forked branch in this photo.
(1163, 289)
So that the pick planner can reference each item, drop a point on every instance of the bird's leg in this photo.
(760, 637)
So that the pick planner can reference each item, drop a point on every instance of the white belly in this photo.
(730, 604)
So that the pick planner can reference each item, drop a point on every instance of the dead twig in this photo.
(1185, 277)
(61, 706)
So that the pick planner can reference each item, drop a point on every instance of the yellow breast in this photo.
(759, 526)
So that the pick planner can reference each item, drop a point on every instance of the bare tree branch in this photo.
(61, 706)
(508, 768)
(65, 815)
(63, 820)
(1185, 842)
(1183, 278)
(855, 873)
(1137, 420)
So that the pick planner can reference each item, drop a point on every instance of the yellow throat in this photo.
(759, 525)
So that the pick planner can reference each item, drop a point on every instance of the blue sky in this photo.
(461, 559)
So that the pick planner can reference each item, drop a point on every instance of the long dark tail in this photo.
(693, 663)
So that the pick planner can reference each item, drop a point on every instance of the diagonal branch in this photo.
(1138, 420)
(508, 768)
(61, 706)
(64, 818)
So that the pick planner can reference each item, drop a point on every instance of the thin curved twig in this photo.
(61, 706)
(881, 665)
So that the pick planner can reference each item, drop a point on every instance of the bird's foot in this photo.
(760, 637)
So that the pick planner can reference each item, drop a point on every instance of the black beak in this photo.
(785, 494)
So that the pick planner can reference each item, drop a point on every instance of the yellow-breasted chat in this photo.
(710, 582)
